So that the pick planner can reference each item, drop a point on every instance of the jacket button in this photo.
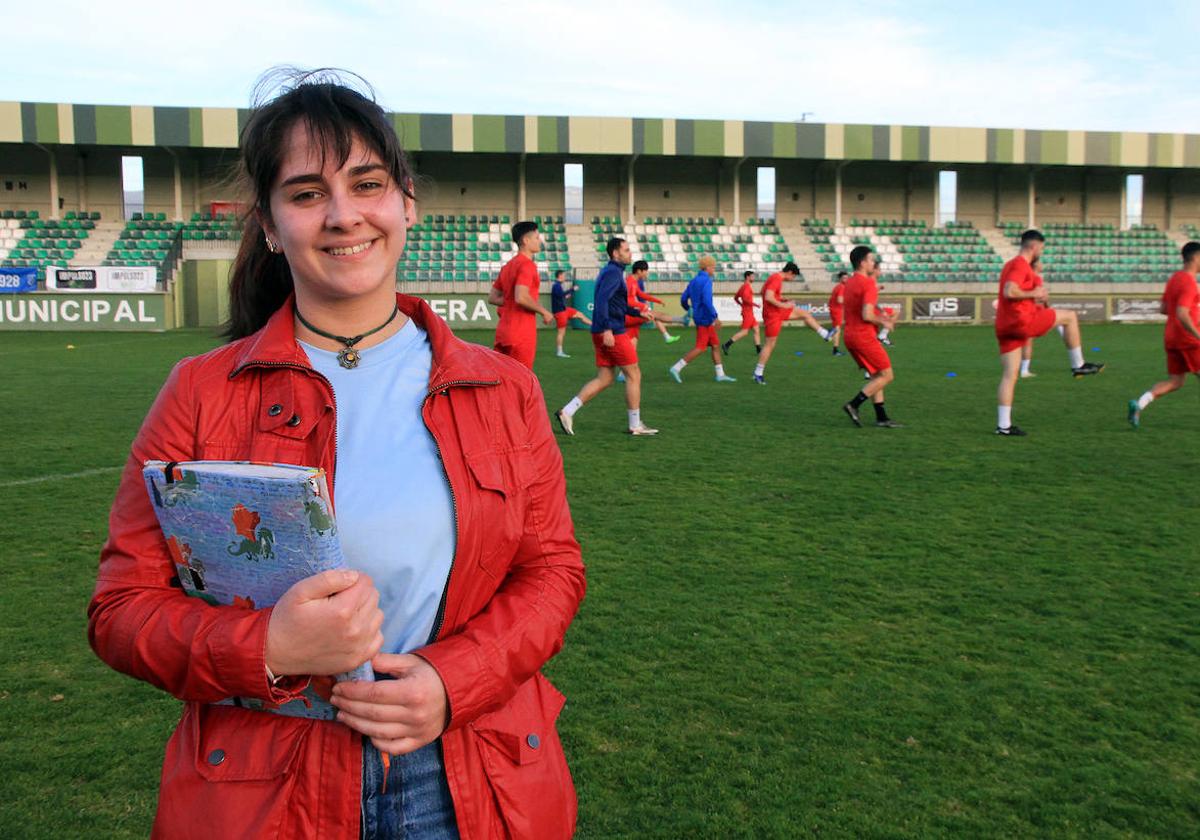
(533, 741)
(294, 421)
(275, 410)
(218, 757)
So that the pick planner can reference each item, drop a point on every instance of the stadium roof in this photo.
(136, 125)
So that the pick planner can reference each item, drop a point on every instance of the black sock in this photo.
(757, 348)
(727, 345)
(859, 399)
(880, 413)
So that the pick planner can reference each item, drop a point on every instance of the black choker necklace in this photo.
(347, 357)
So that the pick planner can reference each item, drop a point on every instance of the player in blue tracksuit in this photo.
(698, 297)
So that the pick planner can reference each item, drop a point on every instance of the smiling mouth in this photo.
(350, 250)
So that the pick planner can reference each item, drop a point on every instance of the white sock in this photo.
(1062, 330)
(678, 366)
(720, 370)
(1145, 400)
(759, 369)
(1076, 354)
(666, 336)
(574, 405)
(883, 334)
(1004, 416)
(1025, 363)
(824, 333)
(635, 417)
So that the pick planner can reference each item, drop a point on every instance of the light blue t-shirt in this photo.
(394, 512)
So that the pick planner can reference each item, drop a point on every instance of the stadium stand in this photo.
(1100, 253)
(672, 245)
(26, 240)
(147, 239)
(910, 251)
(1191, 232)
(474, 248)
(210, 227)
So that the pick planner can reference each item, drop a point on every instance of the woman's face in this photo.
(342, 230)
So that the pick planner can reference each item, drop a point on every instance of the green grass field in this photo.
(793, 627)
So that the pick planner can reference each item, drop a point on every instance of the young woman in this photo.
(451, 508)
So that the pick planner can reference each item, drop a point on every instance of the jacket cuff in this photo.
(239, 653)
(471, 687)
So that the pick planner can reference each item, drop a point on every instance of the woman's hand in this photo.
(325, 624)
(399, 715)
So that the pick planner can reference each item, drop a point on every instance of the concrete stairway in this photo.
(998, 242)
(812, 267)
(99, 242)
(581, 248)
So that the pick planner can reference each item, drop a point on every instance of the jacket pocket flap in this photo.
(520, 728)
(488, 471)
(238, 745)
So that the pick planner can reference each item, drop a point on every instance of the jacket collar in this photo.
(454, 360)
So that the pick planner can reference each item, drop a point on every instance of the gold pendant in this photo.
(348, 358)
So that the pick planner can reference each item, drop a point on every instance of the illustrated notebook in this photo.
(240, 534)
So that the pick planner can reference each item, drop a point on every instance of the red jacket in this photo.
(515, 584)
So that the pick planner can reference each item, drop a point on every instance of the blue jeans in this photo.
(416, 803)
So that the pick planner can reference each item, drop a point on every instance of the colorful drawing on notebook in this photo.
(256, 545)
(318, 519)
(182, 490)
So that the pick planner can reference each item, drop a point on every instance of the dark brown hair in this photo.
(335, 115)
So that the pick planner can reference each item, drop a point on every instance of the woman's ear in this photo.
(268, 231)
(410, 204)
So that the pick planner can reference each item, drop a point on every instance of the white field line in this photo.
(20, 482)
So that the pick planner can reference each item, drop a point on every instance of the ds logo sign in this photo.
(943, 306)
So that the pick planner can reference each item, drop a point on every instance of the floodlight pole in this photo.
(178, 184)
(837, 192)
(521, 188)
(737, 192)
(53, 181)
(630, 187)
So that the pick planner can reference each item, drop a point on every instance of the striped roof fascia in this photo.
(217, 128)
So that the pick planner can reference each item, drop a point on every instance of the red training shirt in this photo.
(1181, 291)
(745, 298)
(860, 291)
(770, 312)
(517, 325)
(1012, 316)
(837, 308)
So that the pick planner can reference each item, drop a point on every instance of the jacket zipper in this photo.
(440, 617)
(445, 387)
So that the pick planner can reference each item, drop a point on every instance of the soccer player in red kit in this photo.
(776, 311)
(837, 310)
(744, 297)
(1181, 338)
(863, 321)
(515, 292)
(1019, 317)
(638, 299)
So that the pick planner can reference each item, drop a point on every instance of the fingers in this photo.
(324, 584)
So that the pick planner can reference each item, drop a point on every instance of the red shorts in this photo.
(621, 354)
(523, 353)
(835, 315)
(633, 328)
(870, 356)
(772, 326)
(561, 318)
(1183, 360)
(707, 336)
(1040, 324)
(749, 322)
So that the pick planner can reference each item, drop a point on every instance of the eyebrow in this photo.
(311, 177)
